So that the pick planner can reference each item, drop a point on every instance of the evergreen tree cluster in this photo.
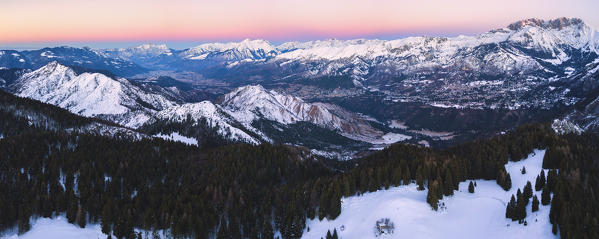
(574, 209)
(333, 235)
(151, 184)
(19, 115)
(516, 208)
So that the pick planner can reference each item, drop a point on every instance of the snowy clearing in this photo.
(396, 124)
(477, 215)
(395, 137)
(175, 136)
(58, 228)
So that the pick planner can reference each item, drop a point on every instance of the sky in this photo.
(185, 23)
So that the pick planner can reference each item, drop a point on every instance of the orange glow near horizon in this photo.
(114, 20)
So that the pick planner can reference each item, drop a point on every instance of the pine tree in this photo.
(419, 180)
(535, 203)
(329, 236)
(504, 180)
(335, 236)
(223, 230)
(527, 190)
(23, 221)
(511, 206)
(234, 228)
(81, 220)
(335, 204)
(267, 232)
(407, 177)
(540, 182)
(106, 220)
(546, 196)
(522, 201)
(448, 184)
(523, 170)
(397, 176)
(432, 195)
(72, 208)
(471, 187)
(551, 179)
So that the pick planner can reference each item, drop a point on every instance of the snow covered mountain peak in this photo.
(250, 103)
(270, 104)
(554, 36)
(152, 47)
(246, 44)
(50, 75)
(232, 51)
(558, 23)
(144, 50)
(90, 94)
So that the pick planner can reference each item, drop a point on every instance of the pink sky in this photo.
(276, 20)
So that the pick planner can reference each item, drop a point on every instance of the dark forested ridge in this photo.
(20, 115)
(243, 191)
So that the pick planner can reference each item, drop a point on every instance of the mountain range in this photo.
(333, 94)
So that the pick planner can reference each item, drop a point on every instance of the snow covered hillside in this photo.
(90, 94)
(250, 103)
(214, 115)
(466, 215)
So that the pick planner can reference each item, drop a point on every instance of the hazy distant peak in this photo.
(558, 23)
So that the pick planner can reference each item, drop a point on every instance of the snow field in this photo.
(175, 136)
(465, 215)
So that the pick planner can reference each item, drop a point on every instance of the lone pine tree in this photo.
(546, 196)
(471, 187)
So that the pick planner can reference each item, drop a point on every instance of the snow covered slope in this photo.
(90, 94)
(477, 215)
(58, 228)
(250, 103)
(214, 115)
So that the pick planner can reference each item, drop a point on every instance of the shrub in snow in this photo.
(383, 226)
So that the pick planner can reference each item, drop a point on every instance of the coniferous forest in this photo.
(244, 191)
